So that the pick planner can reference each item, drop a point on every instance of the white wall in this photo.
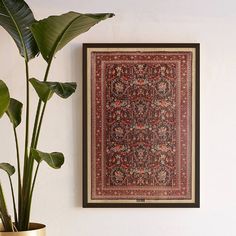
(58, 196)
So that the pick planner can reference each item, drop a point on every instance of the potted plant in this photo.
(45, 37)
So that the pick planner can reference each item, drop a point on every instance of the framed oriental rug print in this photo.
(141, 125)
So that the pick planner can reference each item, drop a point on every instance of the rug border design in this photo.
(195, 200)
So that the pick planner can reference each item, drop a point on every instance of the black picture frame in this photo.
(196, 203)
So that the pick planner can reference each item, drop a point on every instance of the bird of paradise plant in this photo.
(32, 37)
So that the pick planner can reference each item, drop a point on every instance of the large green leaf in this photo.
(45, 90)
(16, 18)
(4, 98)
(7, 168)
(54, 32)
(14, 112)
(54, 159)
(63, 90)
(42, 89)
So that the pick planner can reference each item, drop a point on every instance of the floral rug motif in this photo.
(141, 125)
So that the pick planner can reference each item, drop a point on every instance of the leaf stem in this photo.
(28, 206)
(27, 123)
(27, 217)
(19, 171)
(35, 130)
(30, 164)
(40, 124)
(36, 124)
(35, 176)
(6, 219)
(27, 111)
(14, 202)
(18, 157)
(26, 174)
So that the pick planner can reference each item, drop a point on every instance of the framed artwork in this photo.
(141, 125)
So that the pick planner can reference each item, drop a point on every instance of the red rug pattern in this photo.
(141, 125)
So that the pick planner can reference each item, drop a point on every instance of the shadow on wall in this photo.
(77, 109)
